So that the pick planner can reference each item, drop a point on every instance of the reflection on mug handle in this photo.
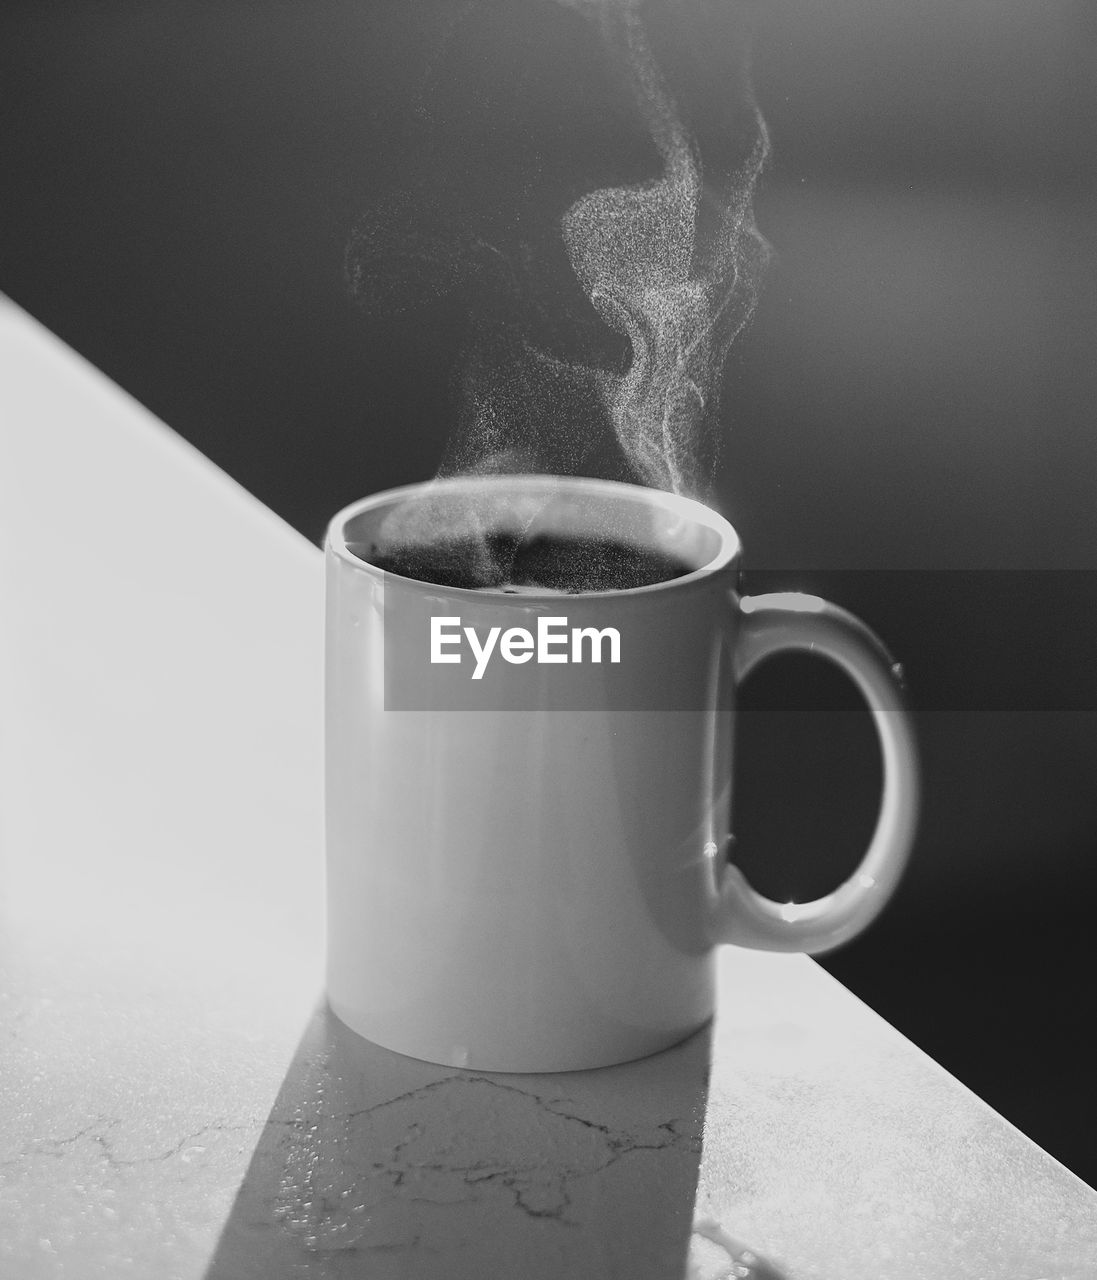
(785, 621)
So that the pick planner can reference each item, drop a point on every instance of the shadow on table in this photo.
(373, 1164)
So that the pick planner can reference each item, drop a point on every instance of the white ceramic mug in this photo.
(528, 872)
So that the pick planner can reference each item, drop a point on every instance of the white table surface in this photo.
(174, 1099)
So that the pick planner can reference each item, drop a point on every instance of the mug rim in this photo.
(689, 508)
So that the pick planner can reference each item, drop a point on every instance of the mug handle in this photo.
(793, 621)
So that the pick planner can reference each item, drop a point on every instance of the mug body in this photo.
(520, 862)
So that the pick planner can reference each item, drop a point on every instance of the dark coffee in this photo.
(505, 562)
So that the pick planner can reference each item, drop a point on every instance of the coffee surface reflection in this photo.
(506, 562)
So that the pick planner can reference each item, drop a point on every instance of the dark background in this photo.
(907, 426)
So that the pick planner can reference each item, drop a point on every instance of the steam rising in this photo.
(622, 376)
(680, 296)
